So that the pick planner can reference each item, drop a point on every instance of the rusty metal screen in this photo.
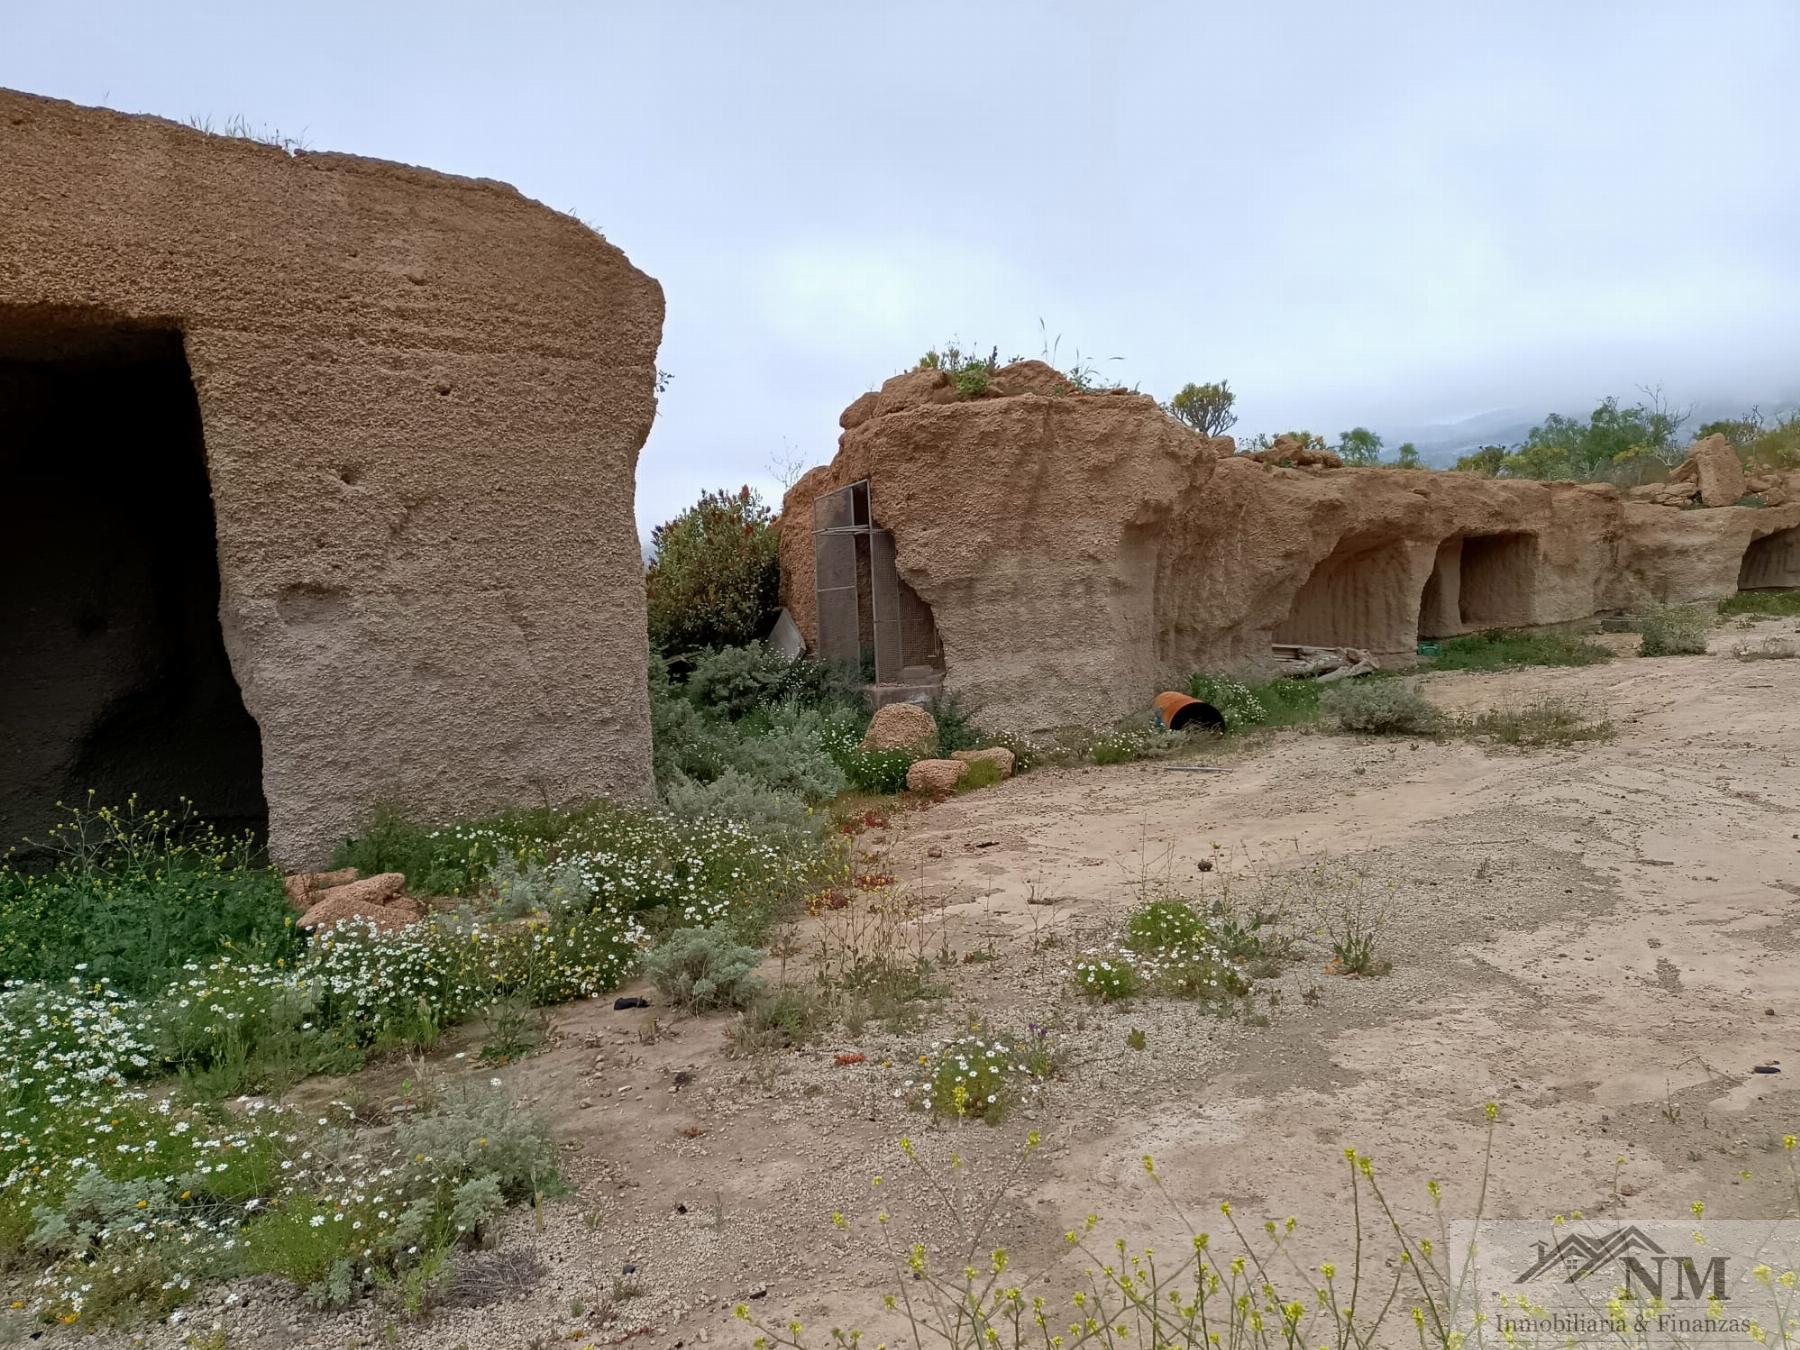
(842, 522)
(884, 596)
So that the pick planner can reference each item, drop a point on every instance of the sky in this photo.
(1393, 215)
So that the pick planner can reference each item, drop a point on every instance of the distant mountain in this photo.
(1439, 443)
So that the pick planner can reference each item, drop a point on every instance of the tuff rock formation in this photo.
(319, 476)
(1075, 552)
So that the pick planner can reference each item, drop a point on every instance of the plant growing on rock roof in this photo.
(1205, 407)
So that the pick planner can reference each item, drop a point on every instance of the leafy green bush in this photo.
(955, 724)
(791, 756)
(716, 576)
(124, 896)
(1380, 707)
(1498, 648)
(1674, 632)
(733, 681)
(705, 968)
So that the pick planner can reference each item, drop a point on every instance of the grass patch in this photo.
(1769, 649)
(1776, 604)
(1176, 948)
(1543, 721)
(1264, 703)
(1499, 649)
(982, 773)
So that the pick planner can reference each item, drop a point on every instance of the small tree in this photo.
(1359, 446)
(1407, 456)
(1487, 461)
(716, 575)
(1205, 407)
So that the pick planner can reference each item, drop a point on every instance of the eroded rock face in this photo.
(417, 405)
(1080, 551)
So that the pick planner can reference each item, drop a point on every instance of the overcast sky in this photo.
(1381, 214)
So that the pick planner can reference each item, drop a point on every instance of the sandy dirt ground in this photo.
(1598, 938)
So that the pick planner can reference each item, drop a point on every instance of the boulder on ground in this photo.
(901, 726)
(328, 913)
(997, 755)
(379, 889)
(1715, 467)
(936, 776)
(301, 887)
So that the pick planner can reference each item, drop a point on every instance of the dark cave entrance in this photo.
(113, 671)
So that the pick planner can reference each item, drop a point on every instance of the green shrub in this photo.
(1380, 707)
(779, 1019)
(1674, 632)
(704, 968)
(1779, 604)
(531, 888)
(123, 896)
(451, 1172)
(956, 727)
(736, 796)
(734, 681)
(715, 578)
(791, 756)
(1498, 648)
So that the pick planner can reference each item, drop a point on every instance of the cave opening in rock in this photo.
(114, 677)
(1497, 580)
(1772, 562)
(1360, 595)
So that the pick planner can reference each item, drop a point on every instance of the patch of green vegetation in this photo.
(1777, 604)
(1265, 703)
(123, 896)
(1543, 721)
(1381, 708)
(981, 773)
(1499, 648)
(1675, 632)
